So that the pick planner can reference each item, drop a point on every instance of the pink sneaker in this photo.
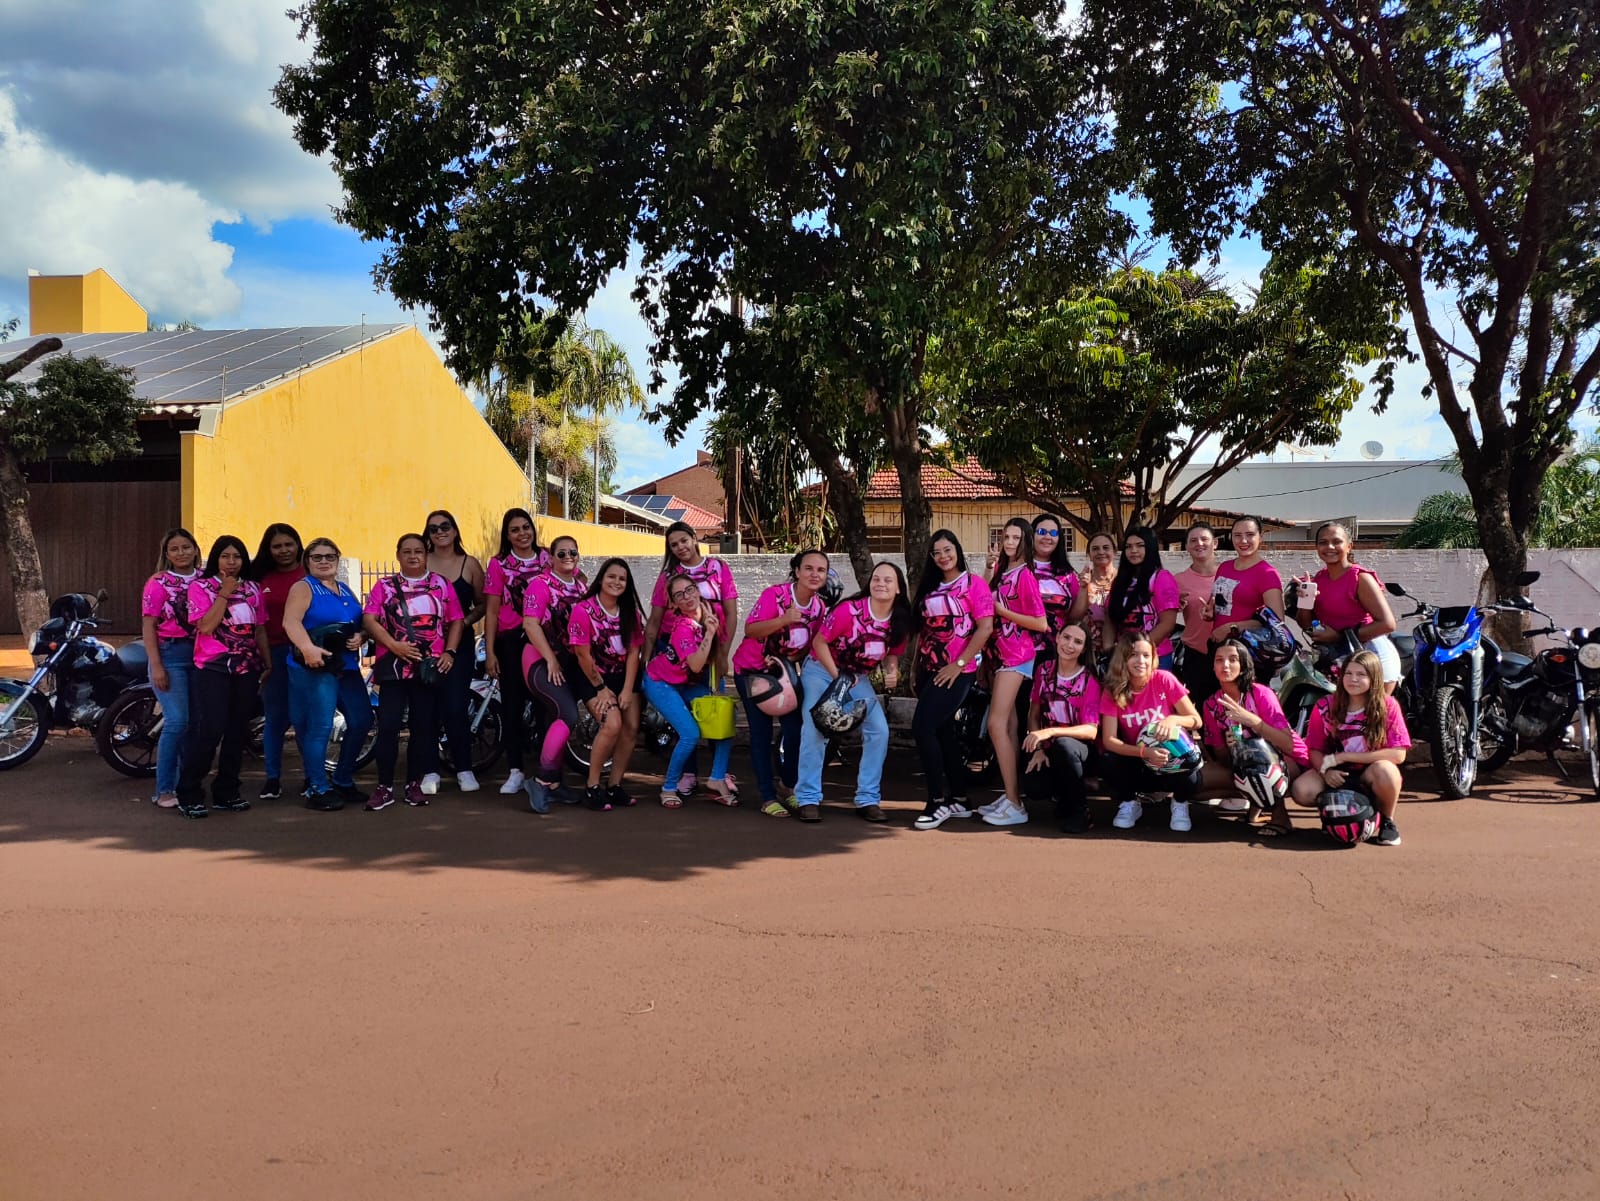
(382, 797)
(414, 793)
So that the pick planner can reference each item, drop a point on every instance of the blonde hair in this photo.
(1117, 682)
(1375, 711)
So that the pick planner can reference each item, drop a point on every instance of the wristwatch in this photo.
(961, 662)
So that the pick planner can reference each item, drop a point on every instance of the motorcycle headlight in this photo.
(1452, 635)
(1589, 656)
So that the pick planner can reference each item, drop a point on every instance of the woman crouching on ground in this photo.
(605, 632)
(1064, 726)
(1241, 701)
(1139, 696)
(1358, 739)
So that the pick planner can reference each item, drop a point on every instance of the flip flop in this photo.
(774, 809)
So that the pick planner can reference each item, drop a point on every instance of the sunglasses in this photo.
(322, 558)
(566, 554)
(1044, 531)
(444, 527)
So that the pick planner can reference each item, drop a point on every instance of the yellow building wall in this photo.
(82, 304)
(359, 450)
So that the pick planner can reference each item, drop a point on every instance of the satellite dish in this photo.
(1372, 450)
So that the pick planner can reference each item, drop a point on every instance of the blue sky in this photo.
(184, 183)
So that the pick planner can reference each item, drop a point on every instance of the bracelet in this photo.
(449, 650)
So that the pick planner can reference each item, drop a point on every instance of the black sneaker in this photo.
(235, 805)
(351, 794)
(271, 789)
(1388, 834)
(325, 802)
(567, 796)
(1073, 819)
(620, 799)
(595, 798)
(196, 810)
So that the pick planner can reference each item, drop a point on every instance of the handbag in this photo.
(714, 713)
(426, 669)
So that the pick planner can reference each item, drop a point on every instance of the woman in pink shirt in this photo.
(1059, 585)
(1241, 701)
(675, 678)
(1019, 614)
(1144, 596)
(505, 585)
(710, 574)
(548, 668)
(605, 632)
(1095, 593)
(1346, 596)
(1194, 596)
(1244, 586)
(169, 645)
(1138, 695)
(1064, 726)
(1358, 739)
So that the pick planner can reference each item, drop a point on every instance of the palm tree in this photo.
(1444, 521)
(1569, 509)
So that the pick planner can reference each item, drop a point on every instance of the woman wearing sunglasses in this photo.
(1059, 586)
(550, 668)
(449, 560)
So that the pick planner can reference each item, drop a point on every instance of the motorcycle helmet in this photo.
(776, 688)
(1347, 815)
(836, 711)
(331, 638)
(833, 590)
(1183, 754)
(74, 606)
(1258, 774)
(1270, 647)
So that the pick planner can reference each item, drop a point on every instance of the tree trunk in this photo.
(844, 488)
(22, 552)
(916, 512)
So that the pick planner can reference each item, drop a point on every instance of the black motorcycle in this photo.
(1550, 702)
(80, 676)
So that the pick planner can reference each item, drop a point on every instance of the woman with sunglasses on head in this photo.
(548, 666)
(953, 613)
(1139, 696)
(324, 679)
(1095, 591)
(231, 659)
(861, 634)
(1144, 596)
(675, 678)
(450, 561)
(276, 568)
(415, 618)
(605, 631)
(1195, 584)
(169, 645)
(1064, 725)
(1245, 585)
(1346, 596)
(782, 625)
(506, 580)
(1020, 615)
(1240, 701)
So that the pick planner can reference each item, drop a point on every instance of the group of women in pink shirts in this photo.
(1077, 667)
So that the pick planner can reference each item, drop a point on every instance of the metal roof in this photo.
(185, 369)
(1303, 491)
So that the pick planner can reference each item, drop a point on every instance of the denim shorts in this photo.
(1025, 670)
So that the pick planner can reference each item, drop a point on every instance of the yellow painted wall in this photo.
(359, 450)
(82, 304)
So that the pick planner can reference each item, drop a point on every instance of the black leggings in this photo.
(513, 694)
(1125, 775)
(1198, 677)
(558, 714)
(938, 742)
(395, 699)
(221, 705)
(1069, 761)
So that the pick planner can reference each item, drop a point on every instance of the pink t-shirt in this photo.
(1338, 604)
(1019, 592)
(791, 642)
(1157, 699)
(231, 647)
(1194, 591)
(681, 636)
(548, 599)
(1260, 701)
(713, 577)
(508, 577)
(590, 625)
(431, 604)
(1067, 700)
(858, 640)
(1163, 599)
(166, 598)
(1321, 734)
(1058, 592)
(1240, 592)
(950, 614)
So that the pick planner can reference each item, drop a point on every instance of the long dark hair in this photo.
(1060, 563)
(677, 527)
(177, 531)
(1004, 562)
(1131, 588)
(1247, 664)
(900, 614)
(222, 543)
(505, 538)
(632, 615)
(931, 576)
(263, 564)
(461, 551)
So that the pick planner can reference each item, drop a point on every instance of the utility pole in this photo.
(734, 493)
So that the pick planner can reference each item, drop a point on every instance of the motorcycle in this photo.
(656, 734)
(1549, 702)
(85, 675)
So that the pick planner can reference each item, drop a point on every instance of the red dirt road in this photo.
(466, 1001)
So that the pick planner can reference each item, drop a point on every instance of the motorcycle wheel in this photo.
(580, 743)
(129, 731)
(369, 745)
(23, 735)
(486, 740)
(1593, 720)
(1496, 742)
(1453, 761)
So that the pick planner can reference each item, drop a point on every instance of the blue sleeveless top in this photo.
(327, 607)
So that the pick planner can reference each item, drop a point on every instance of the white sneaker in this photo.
(1128, 815)
(1011, 814)
(1234, 804)
(1180, 817)
(467, 782)
(998, 805)
(513, 784)
(932, 821)
(430, 784)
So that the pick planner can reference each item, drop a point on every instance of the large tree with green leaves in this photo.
(1568, 515)
(1448, 152)
(855, 172)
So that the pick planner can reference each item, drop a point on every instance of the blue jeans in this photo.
(275, 707)
(814, 680)
(313, 696)
(761, 744)
(672, 702)
(177, 656)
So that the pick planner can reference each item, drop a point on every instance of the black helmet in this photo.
(331, 638)
(833, 590)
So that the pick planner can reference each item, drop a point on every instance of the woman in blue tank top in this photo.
(317, 687)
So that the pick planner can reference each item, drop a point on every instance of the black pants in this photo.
(513, 695)
(396, 698)
(1198, 677)
(453, 704)
(1125, 775)
(1068, 762)
(221, 705)
(944, 762)
(557, 713)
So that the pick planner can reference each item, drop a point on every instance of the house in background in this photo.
(700, 485)
(669, 507)
(354, 432)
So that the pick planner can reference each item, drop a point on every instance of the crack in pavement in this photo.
(1499, 954)
(1313, 887)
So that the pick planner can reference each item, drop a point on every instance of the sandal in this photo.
(721, 793)
(167, 800)
(775, 809)
(670, 799)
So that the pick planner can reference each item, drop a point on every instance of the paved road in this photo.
(466, 1001)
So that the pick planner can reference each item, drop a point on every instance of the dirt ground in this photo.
(467, 1001)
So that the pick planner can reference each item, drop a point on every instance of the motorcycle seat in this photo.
(1513, 665)
(134, 659)
(1406, 644)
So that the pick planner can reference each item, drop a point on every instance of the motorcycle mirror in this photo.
(1394, 589)
(101, 597)
(1526, 578)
